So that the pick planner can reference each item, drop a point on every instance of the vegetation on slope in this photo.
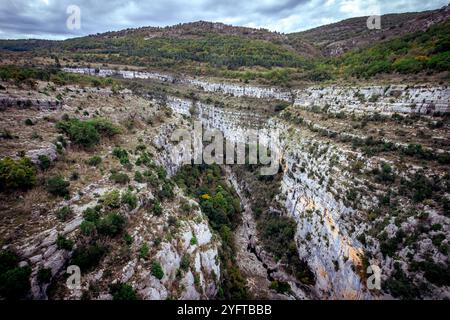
(421, 51)
(219, 202)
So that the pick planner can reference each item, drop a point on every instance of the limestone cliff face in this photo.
(390, 98)
(316, 180)
(323, 222)
(383, 99)
(322, 236)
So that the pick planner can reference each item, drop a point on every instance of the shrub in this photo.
(64, 243)
(88, 228)
(80, 132)
(88, 257)
(281, 106)
(144, 251)
(44, 275)
(57, 186)
(166, 191)
(128, 239)
(105, 127)
(64, 213)
(15, 283)
(28, 122)
(130, 199)
(111, 225)
(119, 177)
(87, 133)
(157, 209)
(74, 176)
(280, 286)
(194, 240)
(16, 174)
(421, 187)
(111, 199)
(8, 260)
(444, 158)
(384, 174)
(138, 177)
(91, 214)
(185, 262)
(408, 65)
(14, 280)
(44, 162)
(157, 270)
(123, 291)
(144, 159)
(122, 155)
(94, 161)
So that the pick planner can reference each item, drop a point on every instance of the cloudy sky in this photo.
(48, 18)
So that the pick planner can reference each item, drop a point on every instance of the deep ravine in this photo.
(258, 267)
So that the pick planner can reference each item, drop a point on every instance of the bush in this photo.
(111, 199)
(130, 199)
(87, 133)
(408, 65)
(80, 132)
(281, 106)
(122, 155)
(144, 251)
(444, 158)
(157, 270)
(123, 291)
(28, 122)
(64, 243)
(166, 191)
(111, 225)
(16, 174)
(88, 228)
(119, 177)
(91, 214)
(57, 186)
(94, 161)
(185, 262)
(44, 275)
(14, 280)
(88, 257)
(138, 177)
(15, 283)
(128, 239)
(44, 162)
(384, 174)
(194, 240)
(8, 260)
(157, 209)
(280, 286)
(64, 213)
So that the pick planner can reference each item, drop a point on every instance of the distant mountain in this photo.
(337, 38)
(202, 29)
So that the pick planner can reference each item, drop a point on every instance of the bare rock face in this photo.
(49, 152)
(385, 100)
(9, 101)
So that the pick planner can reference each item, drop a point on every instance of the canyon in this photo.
(328, 186)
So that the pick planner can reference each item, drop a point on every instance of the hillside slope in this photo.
(337, 38)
